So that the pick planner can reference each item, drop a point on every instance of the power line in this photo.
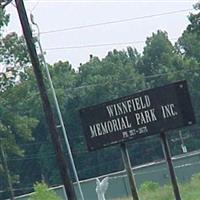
(92, 45)
(97, 45)
(115, 21)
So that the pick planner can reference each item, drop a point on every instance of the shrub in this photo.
(42, 193)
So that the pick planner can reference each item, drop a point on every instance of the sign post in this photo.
(167, 154)
(127, 165)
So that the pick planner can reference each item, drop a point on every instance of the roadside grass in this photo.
(152, 191)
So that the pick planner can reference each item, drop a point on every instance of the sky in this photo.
(73, 30)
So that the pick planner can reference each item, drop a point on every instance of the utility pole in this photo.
(58, 109)
(7, 172)
(64, 171)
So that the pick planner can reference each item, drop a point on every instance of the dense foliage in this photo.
(30, 153)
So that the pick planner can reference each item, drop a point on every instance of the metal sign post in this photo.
(167, 154)
(127, 165)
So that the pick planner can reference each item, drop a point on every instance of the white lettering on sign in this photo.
(128, 106)
(142, 111)
(168, 111)
(110, 126)
(125, 134)
(131, 133)
(145, 117)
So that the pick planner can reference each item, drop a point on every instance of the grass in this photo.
(152, 191)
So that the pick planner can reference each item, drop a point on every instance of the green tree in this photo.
(15, 128)
(14, 51)
(188, 46)
(14, 59)
(16, 123)
(194, 19)
(4, 19)
(189, 43)
(156, 58)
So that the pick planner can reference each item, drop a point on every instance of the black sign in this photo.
(139, 115)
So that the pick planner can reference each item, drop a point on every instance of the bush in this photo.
(43, 193)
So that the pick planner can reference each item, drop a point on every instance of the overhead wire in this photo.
(96, 45)
(100, 24)
(92, 45)
(108, 22)
(115, 21)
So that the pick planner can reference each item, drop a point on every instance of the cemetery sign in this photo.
(139, 115)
